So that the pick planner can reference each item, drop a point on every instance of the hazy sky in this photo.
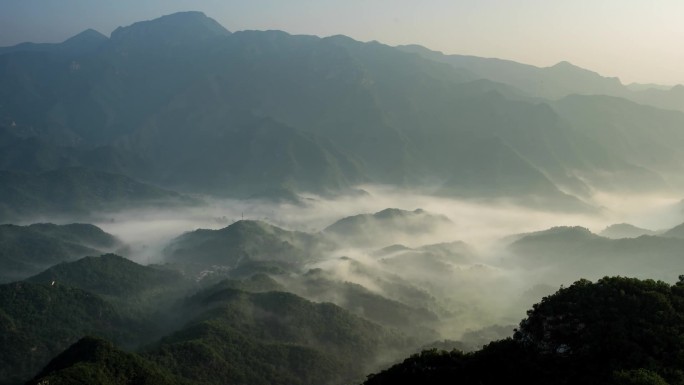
(636, 40)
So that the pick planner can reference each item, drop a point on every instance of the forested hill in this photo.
(614, 331)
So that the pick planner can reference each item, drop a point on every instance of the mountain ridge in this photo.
(200, 113)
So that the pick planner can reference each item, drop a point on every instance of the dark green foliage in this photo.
(107, 296)
(614, 324)
(209, 353)
(637, 377)
(96, 361)
(429, 367)
(230, 336)
(26, 250)
(256, 283)
(271, 338)
(499, 362)
(614, 331)
(38, 321)
(146, 295)
(117, 278)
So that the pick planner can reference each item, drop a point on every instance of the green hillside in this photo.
(96, 361)
(271, 338)
(614, 331)
(120, 280)
(39, 321)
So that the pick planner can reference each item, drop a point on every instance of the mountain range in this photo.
(558, 81)
(567, 252)
(182, 103)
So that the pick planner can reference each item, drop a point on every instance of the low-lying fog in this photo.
(487, 289)
(478, 224)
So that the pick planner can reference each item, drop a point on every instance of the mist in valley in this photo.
(459, 256)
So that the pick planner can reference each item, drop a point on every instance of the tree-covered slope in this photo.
(614, 331)
(107, 296)
(120, 280)
(97, 361)
(271, 338)
(37, 321)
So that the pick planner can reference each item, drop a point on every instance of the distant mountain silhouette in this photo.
(625, 230)
(575, 251)
(177, 29)
(675, 232)
(386, 227)
(555, 82)
(85, 42)
(181, 102)
(76, 192)
(27, 250)
(243, 242)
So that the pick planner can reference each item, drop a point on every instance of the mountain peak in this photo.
(174, 29)
(83, 42)
(564, 64)
(89, 35)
